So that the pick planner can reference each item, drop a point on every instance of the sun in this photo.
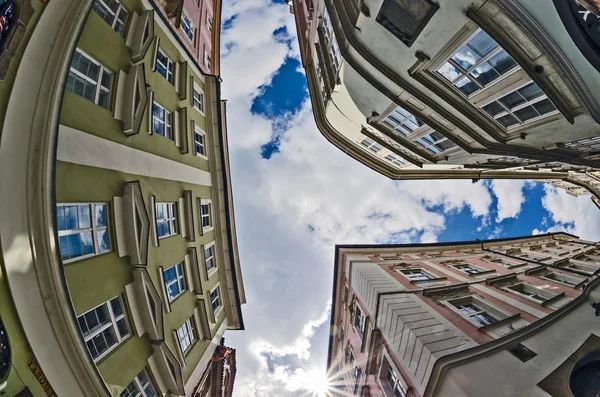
(318, 383)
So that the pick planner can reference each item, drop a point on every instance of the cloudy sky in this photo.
(296, 196)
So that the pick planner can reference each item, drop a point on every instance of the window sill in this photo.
(188, 351)
(211, 272)
(80, 258)
(216, 313)
(487, 272)
(177, 298)
(170, 235)
(107, 353)
(552, 300)
(208, 229)
(430, 281)
(505, 321)
(202, 156)
(198, 110)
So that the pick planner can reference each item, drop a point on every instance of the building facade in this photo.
(447, 319)
(456, 89)
(130, 275)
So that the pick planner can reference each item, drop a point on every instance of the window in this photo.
(161, 120)
(435, 142)
(113, 13)
(215, 300)
(166, 219)
(405, 19)
(82, 230)
(209, 260)
(360, 321)
(393, 382)
(186, 335)
(524, 105)
(470, 269)
(503, 262)
(199, 142)
(537, 294)
(371, 145)
(396, 160)
(174, 281)
(198, 98)
(416, 274)
(104, 327)
(475, 313)
(588, 145)
(522, 353)
(140, 386)
(164, 65)
(206, 213)
(207, 61)
(331, 43)
(563, 279)
(89, 79)
(188, 27)
(477, 64)
(208, 19)
(356, 373)
(403, 122)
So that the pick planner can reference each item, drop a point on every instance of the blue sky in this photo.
(296, 196)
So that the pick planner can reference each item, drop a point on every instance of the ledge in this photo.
(500, 323)
(554, 299)
(481, 273)
(504, 277)
(445, 288)
(432, 280)
(535, 270)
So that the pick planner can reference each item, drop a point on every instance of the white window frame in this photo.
(179, 276)
(140, 386)
(398, 381)
(417, 269)
(115, 15)
(210, 217)
(219, 298)
(362, 321)
(210, 247)
(208, 22)
(561, 279)
(483, 306)
(392, 158)
(187, 330)
(167, 122)
(504, 263)
(207, 59)
(198, 104)
(93, 228)
(171, 219)
(466, 73)
(189, 26)
(532, 289)
(169, 67)
(97, 83)
(512, 111)
(199, 132)
(112, 323)
(478, 269)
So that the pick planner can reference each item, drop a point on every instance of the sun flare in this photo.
(319, 383)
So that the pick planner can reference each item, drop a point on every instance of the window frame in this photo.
(189, 331)
(428, 276)
(199, 131)
(93, 228)
(207, 59)
(387, 366)
(115, 15)
(216, 289)
(188, 26)
(167, 122)
(529, 287)
(172, 218)
(113, 323)
(576, 281)
(206, 202)
(213, 269)
(361, 320)
(479, 303)
(196, 89)
(97, 83)
(179, 276)
(169, 67)
(141, 388)
(479, 270)
(208, 22)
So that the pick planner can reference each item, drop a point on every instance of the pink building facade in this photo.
(403, 316)
(197, 23)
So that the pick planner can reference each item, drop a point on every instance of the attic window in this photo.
(522, 353)
(405, 19)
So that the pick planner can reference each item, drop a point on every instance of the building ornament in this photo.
(402, 265)
(537, 247)
(451, 261)
(513, 251)
(448, 293)
(552, 244)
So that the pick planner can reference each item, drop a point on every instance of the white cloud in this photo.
(510, 195)
(579, 216)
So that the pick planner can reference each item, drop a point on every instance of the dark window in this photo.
(406, 18)
(522, 353)
(585, 377)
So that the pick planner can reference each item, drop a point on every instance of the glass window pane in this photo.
(103, 244)
(527, 113)
(85, 221)
(502, 62)
(92, 348)
(447, 144)
(531, 91)
(544, 107)
(123, 328)
(511, 100)
(507, 120)
(449, 72)
(169, 274)
(485, 74)
(173, 291)
(466, 86)
(482, 43)
(64, 247)
(101, 215)
(87, 244)
(466, 57)
(60, 218)
(74, 245)
(493, 108)
(71, 217)
(117, 309)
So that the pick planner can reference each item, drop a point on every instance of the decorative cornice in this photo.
(447, 292)
(500, 279)
(537, 271)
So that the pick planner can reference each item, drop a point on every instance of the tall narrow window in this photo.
(209, 258)
(393, 381)
(207, 60)
(477, 64)
(188, 27)
(82, 230)
(166, 219)
(524, 105)
(198, 98)
(200, 142)
(104, 327)
(206, 213)
(140, 386)
(164, 65)
(89, 79)
(186, 335)
(215, 299)
(174, 281)
(360, 321)
(113, 13)
(208, 20)
(161, 120)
